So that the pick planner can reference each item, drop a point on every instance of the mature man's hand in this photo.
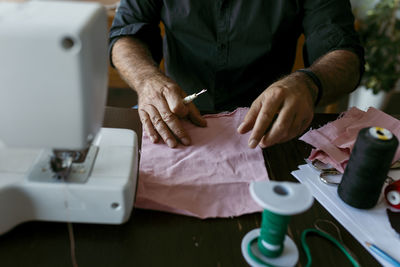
(283, 111)
(161, 108)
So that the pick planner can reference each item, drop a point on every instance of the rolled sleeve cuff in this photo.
(327, 38)
(148, 33)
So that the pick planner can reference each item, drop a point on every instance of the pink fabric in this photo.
(210, 178)
(334, 142)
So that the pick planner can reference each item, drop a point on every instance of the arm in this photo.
(330, 37)
(293, 97)
(135, 49)
(339, 72)
(160, 98)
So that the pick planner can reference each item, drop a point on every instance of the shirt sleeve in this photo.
(329, 25)
(139, 19)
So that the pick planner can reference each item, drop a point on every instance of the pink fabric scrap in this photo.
(334, 142)
(209, 178)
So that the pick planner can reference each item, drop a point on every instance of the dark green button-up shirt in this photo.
(235, 48)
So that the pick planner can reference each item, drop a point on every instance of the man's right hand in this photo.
(161, 109)
(161, 105)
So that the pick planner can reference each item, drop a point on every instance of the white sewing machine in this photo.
(56, 162)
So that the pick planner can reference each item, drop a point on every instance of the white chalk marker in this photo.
(190, 98)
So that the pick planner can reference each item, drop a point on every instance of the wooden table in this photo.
(153, 238)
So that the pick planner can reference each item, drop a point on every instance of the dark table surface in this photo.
(152, 238)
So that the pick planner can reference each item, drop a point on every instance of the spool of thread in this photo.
(269, 245)
(392, 194)
(367, 168)
(272, 233)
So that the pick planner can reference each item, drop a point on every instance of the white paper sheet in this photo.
(365, 225)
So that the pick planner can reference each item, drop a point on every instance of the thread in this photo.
(72, 244)
(327, 236)
(71, 235)
(337, 236)
(272, 235)
(269, 245)
(367, 168)
(392, 194)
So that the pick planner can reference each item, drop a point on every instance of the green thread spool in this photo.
(272, 234)
(269, 245)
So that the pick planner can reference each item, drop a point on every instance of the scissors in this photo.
(327, 174)
(330, 176)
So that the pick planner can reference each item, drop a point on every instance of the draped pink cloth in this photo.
(334, 142)
(209, 178)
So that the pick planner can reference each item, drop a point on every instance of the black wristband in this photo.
(316, 81)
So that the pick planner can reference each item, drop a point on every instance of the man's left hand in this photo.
(283, 111)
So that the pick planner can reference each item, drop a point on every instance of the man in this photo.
(240, 51)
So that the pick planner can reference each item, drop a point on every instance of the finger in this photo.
(173, 123)
(264, 119)
(300, 124)
(250, 118)
(195, 116)
(302, 119)
(281, 130)
(160, 126)
(148, 126)
(306, 123)
(297, 127)
(263, 122)
(174, 97)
